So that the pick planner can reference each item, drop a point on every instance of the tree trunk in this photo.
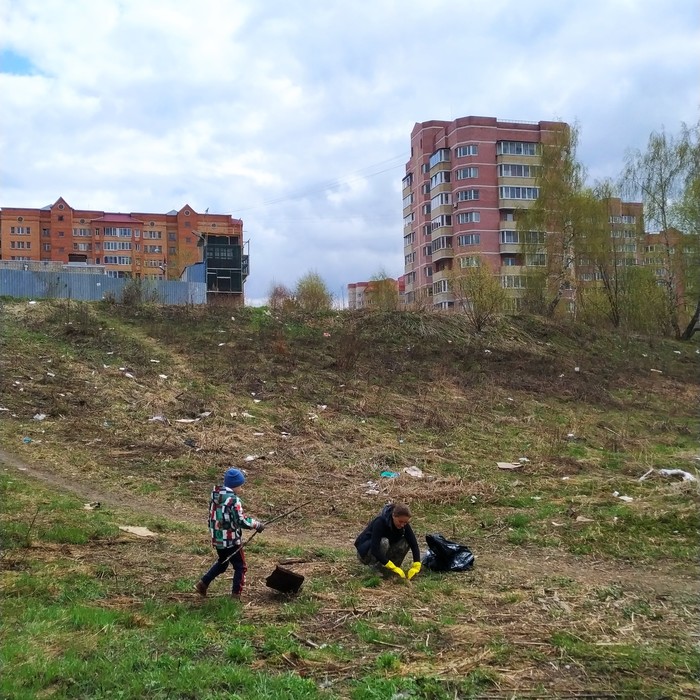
(690, 328)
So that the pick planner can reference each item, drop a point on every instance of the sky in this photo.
(295, 115)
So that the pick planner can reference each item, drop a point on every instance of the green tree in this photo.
(478, 293)
(660, 175)
(312, 295)
(383, 292)
(563, 212)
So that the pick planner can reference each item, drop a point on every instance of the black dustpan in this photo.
(284, 580)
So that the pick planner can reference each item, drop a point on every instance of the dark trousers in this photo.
(395, 553)
(225, 558)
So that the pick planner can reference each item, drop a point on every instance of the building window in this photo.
(440, 221)
(407, 181)
(518, 192)
(172, 251)
(440, 178)
(45, 232)
(518, 170)
(47, 246)
(514, 281)
(408, 200)
(518, 148)
(425, 209)
(469, 217)
(409, 219)
(81, 232)
(441, 287)
(536, 259)
(466, 173)
(470, 261)
(117, 245)
(442, 155)
(428, 271)
(509, 261)
(117, 260)
(440, 200)
(469, 239)
(467, 195)
(410, 258)
(470, 150)
(409, 238)
(60, 216)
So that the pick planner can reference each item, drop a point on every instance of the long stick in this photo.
(266, 523)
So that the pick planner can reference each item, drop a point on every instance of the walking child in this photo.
(226, 522)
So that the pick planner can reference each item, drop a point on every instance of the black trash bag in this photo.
(444, 555)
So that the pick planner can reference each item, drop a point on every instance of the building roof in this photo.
(119, 219)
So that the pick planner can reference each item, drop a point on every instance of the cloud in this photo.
(296, 116)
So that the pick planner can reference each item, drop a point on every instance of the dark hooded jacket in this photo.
(383, 526)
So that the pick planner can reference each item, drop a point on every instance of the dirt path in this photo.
(512, 564)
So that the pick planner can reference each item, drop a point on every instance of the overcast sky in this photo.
(295, 115)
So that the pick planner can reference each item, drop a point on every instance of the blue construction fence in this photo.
(32, 284)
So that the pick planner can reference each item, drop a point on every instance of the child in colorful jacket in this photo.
(226, 521)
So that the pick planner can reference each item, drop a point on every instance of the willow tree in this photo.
(556, 224)
(477, 292)
(311, 294)
(383, 292)
(661, 175)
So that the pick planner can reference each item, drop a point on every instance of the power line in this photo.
(368, 171)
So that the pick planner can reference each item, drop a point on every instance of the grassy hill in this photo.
(574, 591)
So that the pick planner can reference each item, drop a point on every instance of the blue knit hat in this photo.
(233, 477)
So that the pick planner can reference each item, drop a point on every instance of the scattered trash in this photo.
(158, 419)
(658, 371)
(487, 352)
(258, 434)
(190, 442)
(508, 465)
(156, 361)
(535, 498)
(204, 414)
(577, 369)
(313, 416)
(444, 555)
(326, 335)
(556, 524)
(31, 303)
(39, 416)
(685, 476)
(247, 415)
(186, 420)
(414, 471)
(26, 440)
(321, 406)
(570, 436)
(91, 506)
(221, 344)
(523, 460)
(584, 519)
(677, 352)
(50, 374)
(373, 488)
(565, 478)
(389, 475)
(626, 499)
(128, 375)
(2, 408)
(138, 531)
(163, 376)
(510, 398)
(251, 458)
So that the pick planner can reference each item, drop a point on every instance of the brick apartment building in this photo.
(361, 294)
(464, 183)
(142, 245)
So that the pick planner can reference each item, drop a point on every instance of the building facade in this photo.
(464, 182)
(141, 245)
(362, 295)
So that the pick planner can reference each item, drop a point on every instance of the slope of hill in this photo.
(141, 409)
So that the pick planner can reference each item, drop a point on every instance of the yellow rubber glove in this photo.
(392, 567)
(413, 570)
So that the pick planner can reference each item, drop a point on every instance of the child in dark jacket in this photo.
(226, 522)
(387, 539)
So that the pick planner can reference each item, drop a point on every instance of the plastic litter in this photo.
(414, 471)
(39, 416)
(685, 476)
(26, 440)
(445, 555)
(389, 475)
(508, 465)
(138, 531)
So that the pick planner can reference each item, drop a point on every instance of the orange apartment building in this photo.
(142, 245)
(360, 294)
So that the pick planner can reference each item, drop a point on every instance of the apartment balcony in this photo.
(407, 209)
(446, 253)
(513, 270)
(442, 275)
(512, 248)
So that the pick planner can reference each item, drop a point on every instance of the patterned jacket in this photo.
(226, 518)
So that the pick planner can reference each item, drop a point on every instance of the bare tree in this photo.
(478, 293)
